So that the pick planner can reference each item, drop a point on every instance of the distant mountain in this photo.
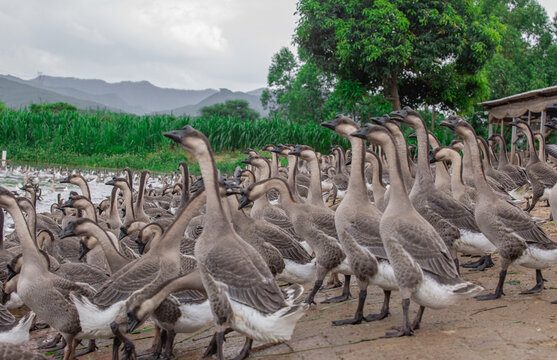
(16, 94)
(221, 97)
(140, 97)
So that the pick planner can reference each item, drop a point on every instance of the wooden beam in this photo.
(513, 141)
(542, 123)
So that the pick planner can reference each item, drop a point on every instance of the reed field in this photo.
(115, 140)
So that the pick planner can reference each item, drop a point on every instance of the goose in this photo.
(516, 235)
(442, 176)
(42, 291)
(542, 176)
(377, 185)
(297, 265)
(502, 178)
(104, 313)
(299, 183)
(18, 352)
(467, 195)
(357, 223)
(423, 267)
(13, 331)
(241, 289)
(450, 218)
(313, 223)
(149, 233)
(315, 192)
(193, 310)
(517, 173)
(122, 185)
(80, 181)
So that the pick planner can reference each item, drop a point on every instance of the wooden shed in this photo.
(532, 106)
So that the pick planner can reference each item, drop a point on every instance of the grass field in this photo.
(113, 140)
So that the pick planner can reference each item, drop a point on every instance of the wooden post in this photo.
(513, 140)
(490, 130)
(502, 126)
(542, 123)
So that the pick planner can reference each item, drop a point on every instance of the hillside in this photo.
(222, 96)
(17, 94)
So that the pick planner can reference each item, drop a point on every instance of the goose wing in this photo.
(130, 278)
(452, 211)
(64, 287)
(6, 317)
(423, 243)
(366, 233)
(324, 221)
(543, 174)
(247, 277)
(511, 220)
(282, 241)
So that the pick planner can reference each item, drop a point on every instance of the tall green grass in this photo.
(104, 139)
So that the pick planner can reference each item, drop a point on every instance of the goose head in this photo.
(552, 124)
(303, 151)
(443, 153)
(44, 239)
(257, 190)
(147, 236)
(268, 147)
(342, 125)
(190, 139)
(375, 134)
(460, 126)
(409, 117)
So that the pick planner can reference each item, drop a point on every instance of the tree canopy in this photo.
(425, 52)
(231, 108)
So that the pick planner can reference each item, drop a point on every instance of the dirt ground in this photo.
(513, 327)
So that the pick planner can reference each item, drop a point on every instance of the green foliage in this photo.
(231, 108)
(56, 107)
(425, 52)
(2, 106)
(103, 139)
(527, 58)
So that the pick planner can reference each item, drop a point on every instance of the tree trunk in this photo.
(391, 91)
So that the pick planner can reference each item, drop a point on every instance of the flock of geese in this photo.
(188, 255)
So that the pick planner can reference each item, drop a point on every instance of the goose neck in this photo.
(315, 189)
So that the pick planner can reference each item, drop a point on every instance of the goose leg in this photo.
(473, 264)
(359, 315)
(220, 341)
(168, 354)
(482, 264)
(69, 351)
(90, 348)
(405, 330)
(212, 347)
(115, 347)
(384, 309)
(498, 289)
(333, 282)
(129, 347)
(534, 202)
(54, 342)
(316, 286)
(418, 319)
(246, 350)
(539, 284)
(345, 293)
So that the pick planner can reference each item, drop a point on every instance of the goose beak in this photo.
(412, 136)
(348, 162)
(246, 160)
(399, 114)
(297, 151)
(110, 182)
(66, 180)
(68, 230)
(123, 233)
(11, 273)
(331, 124)
(133, 321)
(360, 133)
(83, 249)
(140, 246)
(68, 203)
(4, 297)
(382, 120)
(451, 124)
(243, 202)
(247, 151)
(177, 135)
(432, 157)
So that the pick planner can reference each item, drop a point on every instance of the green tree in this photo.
(425, 52)
(54, 107)
(527, 58)
(231, 108)
(296, 90)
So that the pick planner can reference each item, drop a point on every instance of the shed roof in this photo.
(516, 105)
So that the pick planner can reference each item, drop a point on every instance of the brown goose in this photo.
(242, 291)
(517, 237)
(80, 181)
(517, 173)
(423, 267)
(42, 291)
(542, 176)
(357, 223)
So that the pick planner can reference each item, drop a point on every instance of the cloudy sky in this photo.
(188, 44)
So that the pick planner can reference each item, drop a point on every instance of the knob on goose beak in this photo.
(450, 123)
(297, 151)
(66, 180)
(68, 231)
(361, 133)
(110, 181)
(177, 135)
(247, 160)
(132, 323)
(381, 120)
(331, 124)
